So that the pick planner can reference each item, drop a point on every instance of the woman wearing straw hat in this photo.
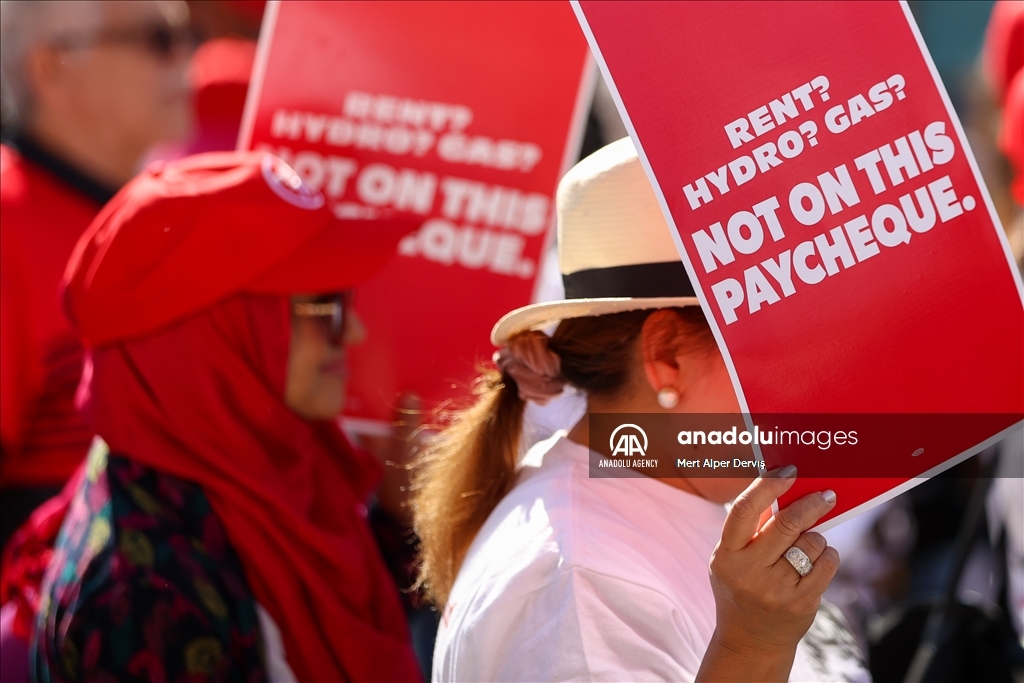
(217, 530)
(547, 574)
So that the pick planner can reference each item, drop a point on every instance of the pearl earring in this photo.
(668, 398)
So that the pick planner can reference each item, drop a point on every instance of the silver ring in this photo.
(798, 558)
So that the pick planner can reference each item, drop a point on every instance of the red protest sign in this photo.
(464, 113)
(831, 217)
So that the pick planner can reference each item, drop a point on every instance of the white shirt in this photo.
(573, 578)
(278, 670)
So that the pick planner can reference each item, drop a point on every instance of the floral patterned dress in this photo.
(144, 586)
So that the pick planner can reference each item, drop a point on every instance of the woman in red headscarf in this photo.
(218, 531)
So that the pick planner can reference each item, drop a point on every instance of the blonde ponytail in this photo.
(461, 476)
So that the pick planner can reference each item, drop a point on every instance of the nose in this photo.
(355, 331)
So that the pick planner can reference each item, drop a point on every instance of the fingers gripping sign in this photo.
(763, 602)
(744, 519)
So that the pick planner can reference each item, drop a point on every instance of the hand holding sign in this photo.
(763, 605)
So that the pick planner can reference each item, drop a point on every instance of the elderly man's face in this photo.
(131, 73)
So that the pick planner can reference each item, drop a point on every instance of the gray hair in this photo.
(25, 24)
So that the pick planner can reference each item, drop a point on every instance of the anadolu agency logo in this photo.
(625, 441)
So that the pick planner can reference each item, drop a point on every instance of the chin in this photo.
(330, 405)
(325, 403)
(322, 414)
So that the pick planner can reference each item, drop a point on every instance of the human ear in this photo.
(658, 350)
(44, 69)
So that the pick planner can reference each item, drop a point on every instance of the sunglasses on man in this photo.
(160, 39)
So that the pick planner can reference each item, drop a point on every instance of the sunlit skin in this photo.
(317, 369)
(701, 380)
(101, 105)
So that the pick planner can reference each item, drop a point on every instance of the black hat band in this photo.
(640, 281)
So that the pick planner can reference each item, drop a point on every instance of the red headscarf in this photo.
(203, 400)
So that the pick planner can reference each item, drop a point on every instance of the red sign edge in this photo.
(259, 72)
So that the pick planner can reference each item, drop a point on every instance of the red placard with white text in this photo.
(464, 113)
(832, 219)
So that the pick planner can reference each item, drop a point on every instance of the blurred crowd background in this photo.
(222, 35)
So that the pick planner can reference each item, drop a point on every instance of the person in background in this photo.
(1011, 143)
(219, 78)
(88, 87)
(1004, 53)
(217, 530)
(994, 123)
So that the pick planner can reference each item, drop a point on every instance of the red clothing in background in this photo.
(219, 73)
(45, 206)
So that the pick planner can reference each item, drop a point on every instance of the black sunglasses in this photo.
(331, 310)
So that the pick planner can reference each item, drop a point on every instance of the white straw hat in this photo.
(615, 250)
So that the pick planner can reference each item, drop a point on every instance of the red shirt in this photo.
(44, 207)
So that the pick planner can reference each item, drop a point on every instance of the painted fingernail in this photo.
(829, 496)
(787, 472)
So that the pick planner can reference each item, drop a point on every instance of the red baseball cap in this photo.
(184, 235)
